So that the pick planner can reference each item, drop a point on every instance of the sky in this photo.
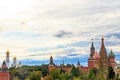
(34, 30)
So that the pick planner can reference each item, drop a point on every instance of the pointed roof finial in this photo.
(92, 44)
(51, 57)
(111, 54)
(102, 41)
(92, 39)
(4, 63)
(102, 38)
(78, 63)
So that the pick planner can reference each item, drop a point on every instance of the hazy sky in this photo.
(33, 30)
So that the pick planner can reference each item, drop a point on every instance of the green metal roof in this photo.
(111, 54)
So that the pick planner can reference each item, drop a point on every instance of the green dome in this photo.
(111, 54)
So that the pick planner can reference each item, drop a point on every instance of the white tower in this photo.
(14, 62)
(7, 59)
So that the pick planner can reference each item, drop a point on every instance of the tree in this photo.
(62, 70)
(111, 73)
(44, 72)
(55, 74)
(66, 76)
(91, 75)
(35, 75)
(75, 71)
(100, 75)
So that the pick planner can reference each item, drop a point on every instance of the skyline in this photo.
(33, 30)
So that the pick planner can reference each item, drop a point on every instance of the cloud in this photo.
(61, 34)
(61, 28)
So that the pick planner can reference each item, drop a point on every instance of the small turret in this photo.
(78, 65)
(4, 67)
(51, 60)
(111, 58)
(92, 50)
(111, 55)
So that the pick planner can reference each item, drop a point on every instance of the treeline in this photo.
(42, 73)
(28, 72)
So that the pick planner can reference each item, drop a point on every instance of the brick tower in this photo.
(92, 52)
(111, 59)
(103, 57)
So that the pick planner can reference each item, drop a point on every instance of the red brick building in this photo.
(96, 60)
(4, 74)
(52, 66)
(99, 60)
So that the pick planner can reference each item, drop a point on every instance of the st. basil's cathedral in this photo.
(100, 61)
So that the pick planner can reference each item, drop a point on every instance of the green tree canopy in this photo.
(111, 73)
(91, 75)
(75, 71)
(35, 75)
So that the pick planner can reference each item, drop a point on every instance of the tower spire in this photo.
(103, 56)
(92, 44)
(7, 58)
(102, 41)
(92, 50)
(102, 45)
(51, 60)
(4, 67)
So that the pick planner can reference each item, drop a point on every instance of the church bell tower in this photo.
(7, 59)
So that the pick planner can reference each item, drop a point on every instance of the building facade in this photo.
(102, 60)
(4, 74)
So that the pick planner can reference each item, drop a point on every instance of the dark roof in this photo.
(4, 63)
(111, 54)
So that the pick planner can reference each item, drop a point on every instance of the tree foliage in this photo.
(111, 73)
(35, 75)
(75, 71)
(91, 75)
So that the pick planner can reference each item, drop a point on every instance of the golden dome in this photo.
(14, 57)
(7, 52)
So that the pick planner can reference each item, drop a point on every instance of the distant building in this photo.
(19, 64)
(8, 59)
(52, 66)
(4, 74)
(96, 60)
(99, 60)
(15, 63)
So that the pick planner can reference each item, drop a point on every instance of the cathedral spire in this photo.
(78, 63)
(92, 50)
(51, 60)
(4, 67)
(92, 44)
(103, 49)
(103, 56)
(102, 41)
